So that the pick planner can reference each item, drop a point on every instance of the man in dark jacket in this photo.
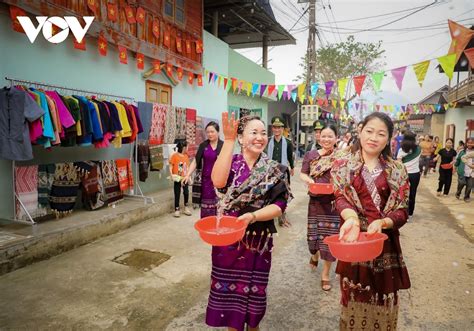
(318, 126)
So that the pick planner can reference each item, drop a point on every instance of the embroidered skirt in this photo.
(208, 198)
(239, 280)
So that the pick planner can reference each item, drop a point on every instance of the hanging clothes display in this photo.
(191, 131)
(125, 174)
(146, 112)
(64, 189)
(156, 158)
(143, 159)
(93, 193)
(158, 124)
(170, 128)
(45, 182)
(180, 123)
(111, 183)
(26, 187)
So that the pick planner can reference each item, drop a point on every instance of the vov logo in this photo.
(46, 24)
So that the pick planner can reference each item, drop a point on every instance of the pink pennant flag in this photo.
(377, 107)
(398, 75)
(290, 88)
(240, 86)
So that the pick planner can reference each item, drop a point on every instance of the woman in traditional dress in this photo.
(255, 189)
(323, 220)
(204, 193)
(372, 195)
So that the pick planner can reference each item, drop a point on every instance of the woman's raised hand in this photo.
(230, 126)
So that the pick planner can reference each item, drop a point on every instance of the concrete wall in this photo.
(458, 117)
(437, 125)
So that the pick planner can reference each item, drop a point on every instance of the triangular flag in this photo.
(249, 88)
(377, 78)
(314, 89)
(357, 105)
(234, 84)
(448, 62)
(281, 88)
(216, 76)
(263, 87)
(294, 95)
(310, 98)
(255, 87)
(470, 56)
(359, 83)
(460, 37)
(329, 86)
(219, 79)
(334, 103)
(227, 89)
(271, 89)
(211, 76)
(301, 90)
(286, 95)
(290, 88)
(343, 103)
(320, 102)
(420, 71)
(102, 45)
(341, 85)
(240, 86)
(398, 75)
(225, 83)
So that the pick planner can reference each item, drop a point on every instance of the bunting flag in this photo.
(357, 105)
(199, 78)
(215, 78)
(141, 15)
(92, 4)
(343, 103)
(470, 56)
(420, 71)
(262, 89)
(293, 95)
(80, 45)
(240, 86)
(219, 79)
(254, 89)
(14, 13)
(377, 78)
(130, 15)
(226, 86)
(334, 103)
(180, 73)
(281, 88)
(290, 88)
(211, 76)
(190, 78)
(188, 46)
(112, 12)
(234, 84)
(199, 46)
(179, 45)
(140, 59)
(249, 88)
(359, 83)
(225, 83)
(301, 90)
(448, 62)
(310, 98)
(156, 64)
(271, 89)
(314, 89)
(102, 45)
(169, 69)
(123, 54)
(320, 102)
(167, 38)
(342, 84)
(156, 28)
(460, 37)
(329, 86)
(398, 75)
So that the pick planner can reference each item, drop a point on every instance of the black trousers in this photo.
(445, 179)
(425, 164)
(177, 193)
(465, 181)
(414, 180)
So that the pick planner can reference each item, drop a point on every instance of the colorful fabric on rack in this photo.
(73, 105)
(180, 123)
(156, 158)
(158, 124)
(145, 109)
(26, 188)
(45, 182)
(86, 124)
(125, 174)
(88, 106)
(191, 132)
(93, 196)
(109, 174)
(56, 121)
(137, 117)
(133, 124)
(66, 118)
(64, 189)
(200, 134)
(143, 158)
(48, 130)
(170, 125)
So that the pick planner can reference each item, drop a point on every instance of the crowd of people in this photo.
(374, 171)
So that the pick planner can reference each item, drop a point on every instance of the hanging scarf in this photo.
(26, 188)
(412, 155)
(111, 184)
(156, 158)
(267, 178)
(93, 190)
(170, 125)
(45, 181)
(180, 122)
(143, 158)
(351, 165)
(125, 175)
(284, 150)
(158, 124)
(191, 132)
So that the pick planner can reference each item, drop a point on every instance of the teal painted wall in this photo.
(65, 66)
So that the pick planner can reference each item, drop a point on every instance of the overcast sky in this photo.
(403, 44)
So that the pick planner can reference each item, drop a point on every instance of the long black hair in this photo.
(387, 151)
(408, 143)
(213, 124)
(180, 145)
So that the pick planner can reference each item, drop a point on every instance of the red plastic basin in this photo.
(366, 248)
(230, 230)
(321, 188)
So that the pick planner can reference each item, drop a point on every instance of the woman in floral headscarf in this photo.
(372, 195)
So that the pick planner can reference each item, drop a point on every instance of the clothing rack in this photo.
(133, 147)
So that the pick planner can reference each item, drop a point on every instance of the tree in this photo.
(345, 59)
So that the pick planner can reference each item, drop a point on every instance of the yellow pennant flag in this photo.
(301, 95)
(420, 71)
(249, 88)
(334, 103)
(342, 84)
(310, 98)
(448, 62)
(343, 103)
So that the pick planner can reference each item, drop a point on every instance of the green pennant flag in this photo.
(281, 88)
(448, 62)
(342, 84)
(377, 78)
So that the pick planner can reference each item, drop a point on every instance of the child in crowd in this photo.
(179, 163)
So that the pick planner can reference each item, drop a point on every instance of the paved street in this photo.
(85, 289)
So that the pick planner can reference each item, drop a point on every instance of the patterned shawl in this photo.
(45, 181)
(267, 179)
(351, 165)
(180, 122)
(170, 127)
(158, 124)
(93, 196)
(111, 184)
(26, 188)
(320, 164)
(156, 158)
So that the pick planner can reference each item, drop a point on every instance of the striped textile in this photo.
(26, 187)
(191, 132)
(158, 124)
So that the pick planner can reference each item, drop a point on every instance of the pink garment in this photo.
(66, 118)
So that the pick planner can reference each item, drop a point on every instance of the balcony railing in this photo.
(463, 92)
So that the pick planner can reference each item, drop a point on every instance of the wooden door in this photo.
(158, 93)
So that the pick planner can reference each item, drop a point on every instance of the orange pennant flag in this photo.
(460, 37)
